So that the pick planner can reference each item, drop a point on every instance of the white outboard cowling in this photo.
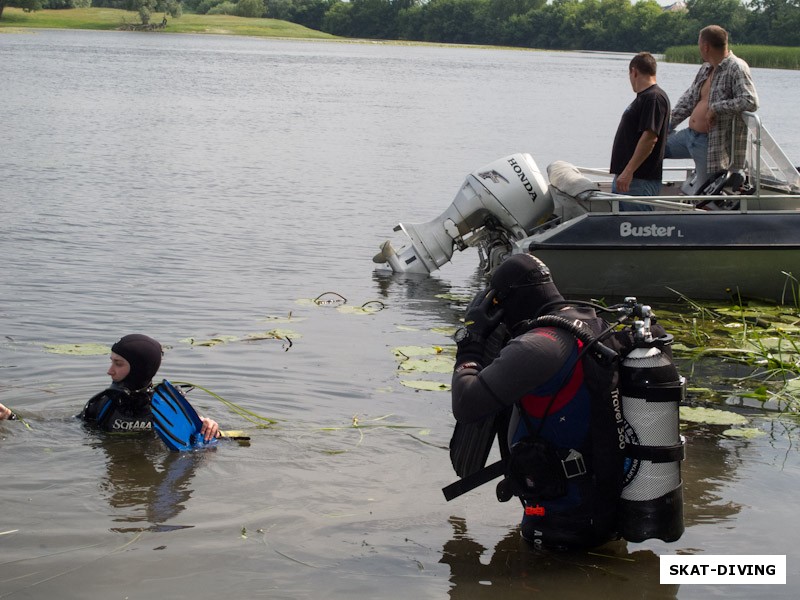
(510, 194)
(651, 505)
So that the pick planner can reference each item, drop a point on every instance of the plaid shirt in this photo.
(732, 92)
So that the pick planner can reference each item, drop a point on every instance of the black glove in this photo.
(483, 316)
(481, 320)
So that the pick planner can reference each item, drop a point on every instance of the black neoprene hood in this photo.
(144, 355)
(523, 285)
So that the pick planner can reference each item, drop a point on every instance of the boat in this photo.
(734, 236)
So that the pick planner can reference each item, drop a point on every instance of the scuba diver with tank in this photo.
(555, 383)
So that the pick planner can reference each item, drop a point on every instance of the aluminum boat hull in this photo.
(710, 255)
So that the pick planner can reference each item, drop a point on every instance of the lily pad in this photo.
(407, 328)
(215, 341)
(455, 298)
(769, 343)
(306, 302)
(711, 416)
(792, 386)
(78, 349)
(437, 364)
(428, 386)
(744, 432)
(272, 334)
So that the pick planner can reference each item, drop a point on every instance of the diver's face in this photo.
(119, 369)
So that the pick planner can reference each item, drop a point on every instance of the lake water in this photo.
(199, 188)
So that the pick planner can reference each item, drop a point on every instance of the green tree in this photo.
(26, 5)
(773, 22)
(409, 22)
(279, 9)
(204, 6)
(730, 14)
(59, 4)
(250, 8)
(338, 20)
(146, 8)
(455, 21)
(504, 9)
(226, 7)
(373, 19)
(671, 29)
(311, 13)
(568, 22)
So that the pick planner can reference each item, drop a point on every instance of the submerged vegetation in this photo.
(748, 352)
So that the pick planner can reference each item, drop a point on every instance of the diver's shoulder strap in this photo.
(470, 482)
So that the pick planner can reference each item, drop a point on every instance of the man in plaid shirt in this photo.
(721, 91)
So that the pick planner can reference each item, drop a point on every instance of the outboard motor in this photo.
(503, 200)
(651, 505)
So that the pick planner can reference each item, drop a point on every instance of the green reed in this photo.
(763, 337)
(769, 57)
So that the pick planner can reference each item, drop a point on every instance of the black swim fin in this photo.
(472, 442)
(175, 420)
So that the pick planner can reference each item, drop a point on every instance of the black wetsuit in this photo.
(525, 364)
(538, 372)
(118, 410)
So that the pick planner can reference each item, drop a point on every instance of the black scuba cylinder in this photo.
(651, 505)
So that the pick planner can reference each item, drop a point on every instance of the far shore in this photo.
(111, 19)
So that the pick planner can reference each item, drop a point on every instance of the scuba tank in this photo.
(651, 505)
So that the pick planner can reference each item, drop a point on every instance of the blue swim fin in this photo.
(175, 420)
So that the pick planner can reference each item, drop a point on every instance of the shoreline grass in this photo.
(111, 19)
(767, 57)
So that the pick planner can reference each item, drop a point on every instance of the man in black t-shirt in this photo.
(638, 152)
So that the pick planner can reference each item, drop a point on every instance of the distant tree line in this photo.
(613, 25)
(144, 7)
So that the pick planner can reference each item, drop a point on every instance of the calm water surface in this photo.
(198, 187)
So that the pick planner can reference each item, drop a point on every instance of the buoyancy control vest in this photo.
(617, 478)
(566, 459)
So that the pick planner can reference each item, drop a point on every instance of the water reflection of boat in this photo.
(738, 234)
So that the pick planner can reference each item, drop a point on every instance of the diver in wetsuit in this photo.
(124, 407)
(540, 378)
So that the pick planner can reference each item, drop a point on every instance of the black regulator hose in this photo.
(576, 328)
